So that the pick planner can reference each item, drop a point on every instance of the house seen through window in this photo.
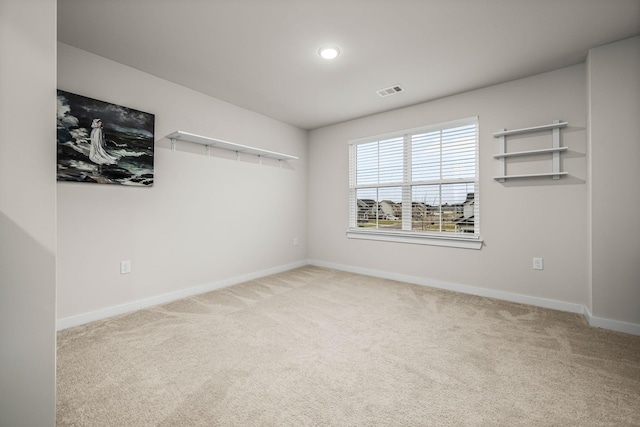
(420, 183)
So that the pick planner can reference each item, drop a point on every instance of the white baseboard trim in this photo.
(81, 319)
(613, 325)
(597, 322)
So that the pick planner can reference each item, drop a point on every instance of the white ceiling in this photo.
(262, 54)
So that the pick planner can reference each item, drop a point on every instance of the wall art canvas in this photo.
(103, 143)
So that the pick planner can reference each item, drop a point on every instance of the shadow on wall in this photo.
(27, 308)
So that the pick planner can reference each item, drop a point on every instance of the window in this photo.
(418, 186)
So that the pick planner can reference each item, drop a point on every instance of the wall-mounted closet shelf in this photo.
(225, 145)
(555, 151)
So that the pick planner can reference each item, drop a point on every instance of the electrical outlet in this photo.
(295, 241)
(537, 264)
(125, 267)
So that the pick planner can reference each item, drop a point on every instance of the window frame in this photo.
(405, 235)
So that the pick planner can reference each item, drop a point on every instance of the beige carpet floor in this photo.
(319, 347)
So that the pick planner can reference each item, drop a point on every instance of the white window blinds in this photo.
(418, 182)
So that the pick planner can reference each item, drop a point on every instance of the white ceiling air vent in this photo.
(390, 91)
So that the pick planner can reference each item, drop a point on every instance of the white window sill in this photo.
(454, 241)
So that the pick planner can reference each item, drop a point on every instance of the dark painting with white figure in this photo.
(103, 143)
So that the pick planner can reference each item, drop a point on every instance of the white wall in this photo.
(27, 212)
(614, 146)
(519, 219)
(207, 220)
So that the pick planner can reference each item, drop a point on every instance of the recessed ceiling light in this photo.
(329, 52)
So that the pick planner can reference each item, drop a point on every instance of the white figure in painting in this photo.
(97, 153)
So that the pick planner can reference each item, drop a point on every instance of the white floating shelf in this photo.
(531, 129)
(226, 145)
(555, 175)
(530, 152)
(554, 150)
